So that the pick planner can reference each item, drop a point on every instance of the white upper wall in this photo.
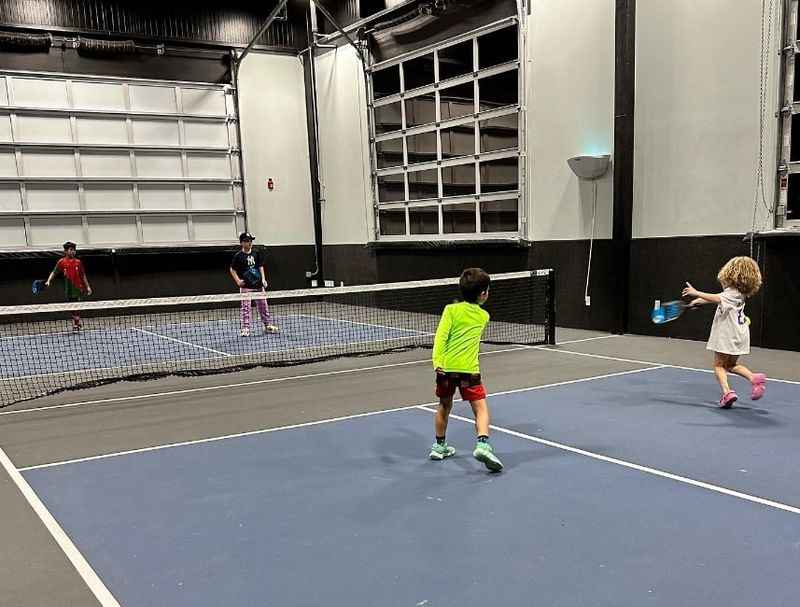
(570, 112)
(697, 117)
(344, 148)
(272, 110)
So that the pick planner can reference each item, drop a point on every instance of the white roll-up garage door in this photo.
(116, 162)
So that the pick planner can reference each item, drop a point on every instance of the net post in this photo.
(551, 308)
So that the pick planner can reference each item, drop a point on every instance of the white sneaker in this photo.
(245, 332)
(271, 329)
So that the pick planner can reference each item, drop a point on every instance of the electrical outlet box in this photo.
(588, 300)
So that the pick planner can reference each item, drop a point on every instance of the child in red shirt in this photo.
(76, 284)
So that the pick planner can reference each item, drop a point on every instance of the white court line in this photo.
(35, 335)
(93, 581)
(180, 341)
(320, 422)
(365, 324)
(638, 467)
(585, 339)
(641, 362)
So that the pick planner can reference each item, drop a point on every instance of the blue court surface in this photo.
(103, 348)
(351, 512)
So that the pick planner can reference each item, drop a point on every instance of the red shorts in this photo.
(469, 386)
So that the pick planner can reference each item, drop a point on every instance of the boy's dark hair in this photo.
(474, 281)
(69, 245)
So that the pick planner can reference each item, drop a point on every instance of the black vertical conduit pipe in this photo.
(312, 119)
(624, 104)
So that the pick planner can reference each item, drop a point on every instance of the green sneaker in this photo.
(439, 452)
(484, 454)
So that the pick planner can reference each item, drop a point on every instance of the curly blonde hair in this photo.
(742, 274)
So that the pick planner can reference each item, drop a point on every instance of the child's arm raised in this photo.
(700, 297)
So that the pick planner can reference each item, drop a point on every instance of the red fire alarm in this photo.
(270, 184)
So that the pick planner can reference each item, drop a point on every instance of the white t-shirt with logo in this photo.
(730, 332)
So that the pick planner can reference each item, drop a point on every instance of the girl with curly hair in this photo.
(730, 332)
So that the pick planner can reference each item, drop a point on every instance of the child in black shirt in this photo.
(247, 271)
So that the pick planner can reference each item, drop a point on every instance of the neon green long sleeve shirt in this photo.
(458, 338)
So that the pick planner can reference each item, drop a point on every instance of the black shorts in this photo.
(469, 385)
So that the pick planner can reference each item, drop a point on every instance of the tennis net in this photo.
(41, 353)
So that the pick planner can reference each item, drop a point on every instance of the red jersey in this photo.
(74, 275)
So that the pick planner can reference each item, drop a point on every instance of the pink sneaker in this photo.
(726, 402)
(759, 386)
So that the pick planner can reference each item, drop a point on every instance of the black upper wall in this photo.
(211, 67)
(232, 23)
(196, 38)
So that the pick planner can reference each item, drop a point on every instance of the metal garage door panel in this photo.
(146, 98)
(10, 197)
(206, 133)
(98, 96)
(44, 129)
(165, 228)
(209, 165)
(55, 230)
(160, 197)
(8, 164)
(102, 131)
(106, 164)
(5, 127)
(214, 228)
(112, 230)
(155, 132)
(84, 164)
(159, 165)
(32, 92)
(12, 231)
(48, 164)
(212, 197)
(108, 197)
(209, 102)
(53, 197)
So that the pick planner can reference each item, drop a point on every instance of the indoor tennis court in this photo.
(622, 478)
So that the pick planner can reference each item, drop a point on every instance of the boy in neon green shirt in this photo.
(455, 359)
